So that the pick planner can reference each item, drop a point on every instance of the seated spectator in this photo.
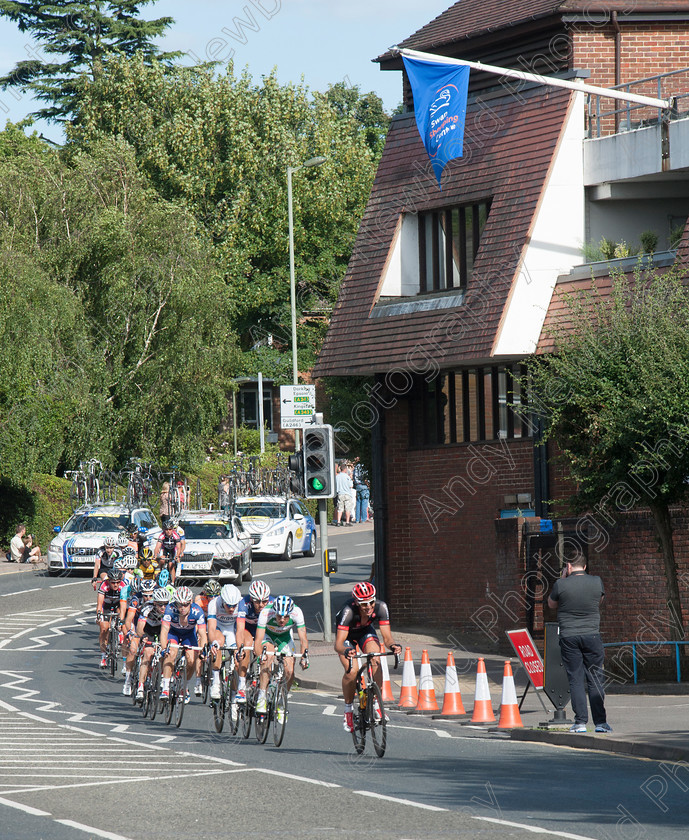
(22, 549)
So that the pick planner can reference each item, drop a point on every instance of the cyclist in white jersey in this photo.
(222, 615)
(274, 633)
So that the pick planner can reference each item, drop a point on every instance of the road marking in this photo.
(292, 776)
(21, 592)
(26, 808)
(307, 566)
(363, 545)
(533, 828)
(402, 801)
(91, 830)
(358, 557)
(73, 583)
(307, 594)
(265, 574)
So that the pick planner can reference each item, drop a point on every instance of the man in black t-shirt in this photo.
(577, 596)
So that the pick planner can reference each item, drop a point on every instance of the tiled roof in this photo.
(469, 18)
(509, 146)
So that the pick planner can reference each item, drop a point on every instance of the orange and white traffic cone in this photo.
(483, 709)
(409, 695)
(509, 708)
(453, 707)
(386, 688)
(427, 704)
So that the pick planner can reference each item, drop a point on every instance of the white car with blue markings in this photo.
(79, 540)
(278, 527)
(215, 546)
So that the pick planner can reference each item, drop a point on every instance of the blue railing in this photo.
(634, 645)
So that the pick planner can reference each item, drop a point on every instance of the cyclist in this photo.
(134, 538)
(355, 627)
(248, 610)
(146, 566)
(171, 544)
(274, 634)
(105, 560)
(148, 629)
(183, 624)
(141, 593)
(222, 614)
(211, 589)
(112, 599)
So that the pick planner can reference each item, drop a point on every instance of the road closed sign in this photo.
(529, 656)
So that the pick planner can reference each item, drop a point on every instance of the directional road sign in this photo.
(297, 405)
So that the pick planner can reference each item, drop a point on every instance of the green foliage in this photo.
(348, 397)
(676, 236)
(40, 507)
(649, 242)
(76, 39)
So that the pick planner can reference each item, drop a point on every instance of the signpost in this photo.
(297, 405)
(530, 658)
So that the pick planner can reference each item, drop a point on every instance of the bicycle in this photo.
(112, 649)
(276, 701)
(78, 492)
(150, 697)
(246, 710)
(229, 680)
(177, 693)
(206, 676)
(368, 709)
(153, 702)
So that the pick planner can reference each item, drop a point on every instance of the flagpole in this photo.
(663, 104)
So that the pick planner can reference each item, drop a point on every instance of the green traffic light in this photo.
(317, 484)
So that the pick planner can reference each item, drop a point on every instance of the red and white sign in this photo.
(530, 658)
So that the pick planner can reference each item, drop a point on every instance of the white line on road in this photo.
(363, 545)
(358, 557)
(26, 808)
(73, 583)
(21, 592)
(533, 828)
(399, 801)
(91, 830)
(265, 574)
(308, 566)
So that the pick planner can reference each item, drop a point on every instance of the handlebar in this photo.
(370, 656)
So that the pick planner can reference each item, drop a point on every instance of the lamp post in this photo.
(316, 161)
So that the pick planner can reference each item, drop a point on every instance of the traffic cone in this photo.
(427, 702)
(409, 695)
(386, 688)
(483, 710)
(452, 698)
(509, 708)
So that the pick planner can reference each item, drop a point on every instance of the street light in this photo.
(316, 161)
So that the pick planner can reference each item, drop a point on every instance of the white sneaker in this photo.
(104, 661)
(198, 689)
(187, 697)
(140, 693)
(127, 688)
(281, 716)
(124, 669)
(215, 691)
(261, 706)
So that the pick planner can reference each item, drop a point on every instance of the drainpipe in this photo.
(378, 483)
(618, 60)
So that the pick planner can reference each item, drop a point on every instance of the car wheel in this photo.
(287, 553)
(249, 573)
(311, 551)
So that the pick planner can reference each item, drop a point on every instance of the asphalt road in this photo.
(77, 760)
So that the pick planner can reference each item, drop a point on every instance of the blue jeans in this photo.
(361, 510)
(582, 657)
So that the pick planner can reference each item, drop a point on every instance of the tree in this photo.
(81, 36)
(616, 394)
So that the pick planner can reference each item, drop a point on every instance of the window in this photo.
(448, 241)
(248, 407)
(472, 404)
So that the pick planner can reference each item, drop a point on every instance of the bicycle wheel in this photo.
(219, 704)
(181, 699)
(134, 678)
(359, 728)
(113, 650)
(232, 706)
(172, 697)
(376, 719)
(74, 496)
(146, 702)
(262, 724)
(206, 677)
(279, 713)
(156, 704)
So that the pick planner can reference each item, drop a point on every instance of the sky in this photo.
(325, 41)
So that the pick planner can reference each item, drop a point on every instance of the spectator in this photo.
(345, 497)
(165, 501)
(363, 493)
(22, 549)
(577, 596)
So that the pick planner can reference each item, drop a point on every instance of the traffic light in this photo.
(296, 466)
(319, 462)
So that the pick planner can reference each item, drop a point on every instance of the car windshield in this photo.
(100, 523)
(271, 510)
(203, 531)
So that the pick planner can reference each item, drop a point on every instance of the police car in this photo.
(78, 541)
(279, 527)
(216, 546)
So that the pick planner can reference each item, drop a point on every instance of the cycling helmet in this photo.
(168, 523)
(122, 540)
(171, 589)
(230, 595)
(133, 530)
(131, 581)
(283, 605)
(121, 564)
(147, 554)
(364, 592)
(163, 577)
(211, 588)
(147, 586)
(184, 595)
(259, 591)
(114, 574)
(161, 595)
(110, 541)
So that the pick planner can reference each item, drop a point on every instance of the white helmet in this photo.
(184, 595)
(122, 539)
(230, 595)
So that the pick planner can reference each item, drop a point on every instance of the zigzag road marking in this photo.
(24, 616)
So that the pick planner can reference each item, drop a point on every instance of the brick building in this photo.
(448, 291)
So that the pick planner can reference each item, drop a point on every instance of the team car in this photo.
(78, 541)
(278, 526)
(216, 546)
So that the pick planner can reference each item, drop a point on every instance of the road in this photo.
(78, 761)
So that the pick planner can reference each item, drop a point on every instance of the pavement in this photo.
(649, 720)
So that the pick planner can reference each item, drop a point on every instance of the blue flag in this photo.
(440, 107)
